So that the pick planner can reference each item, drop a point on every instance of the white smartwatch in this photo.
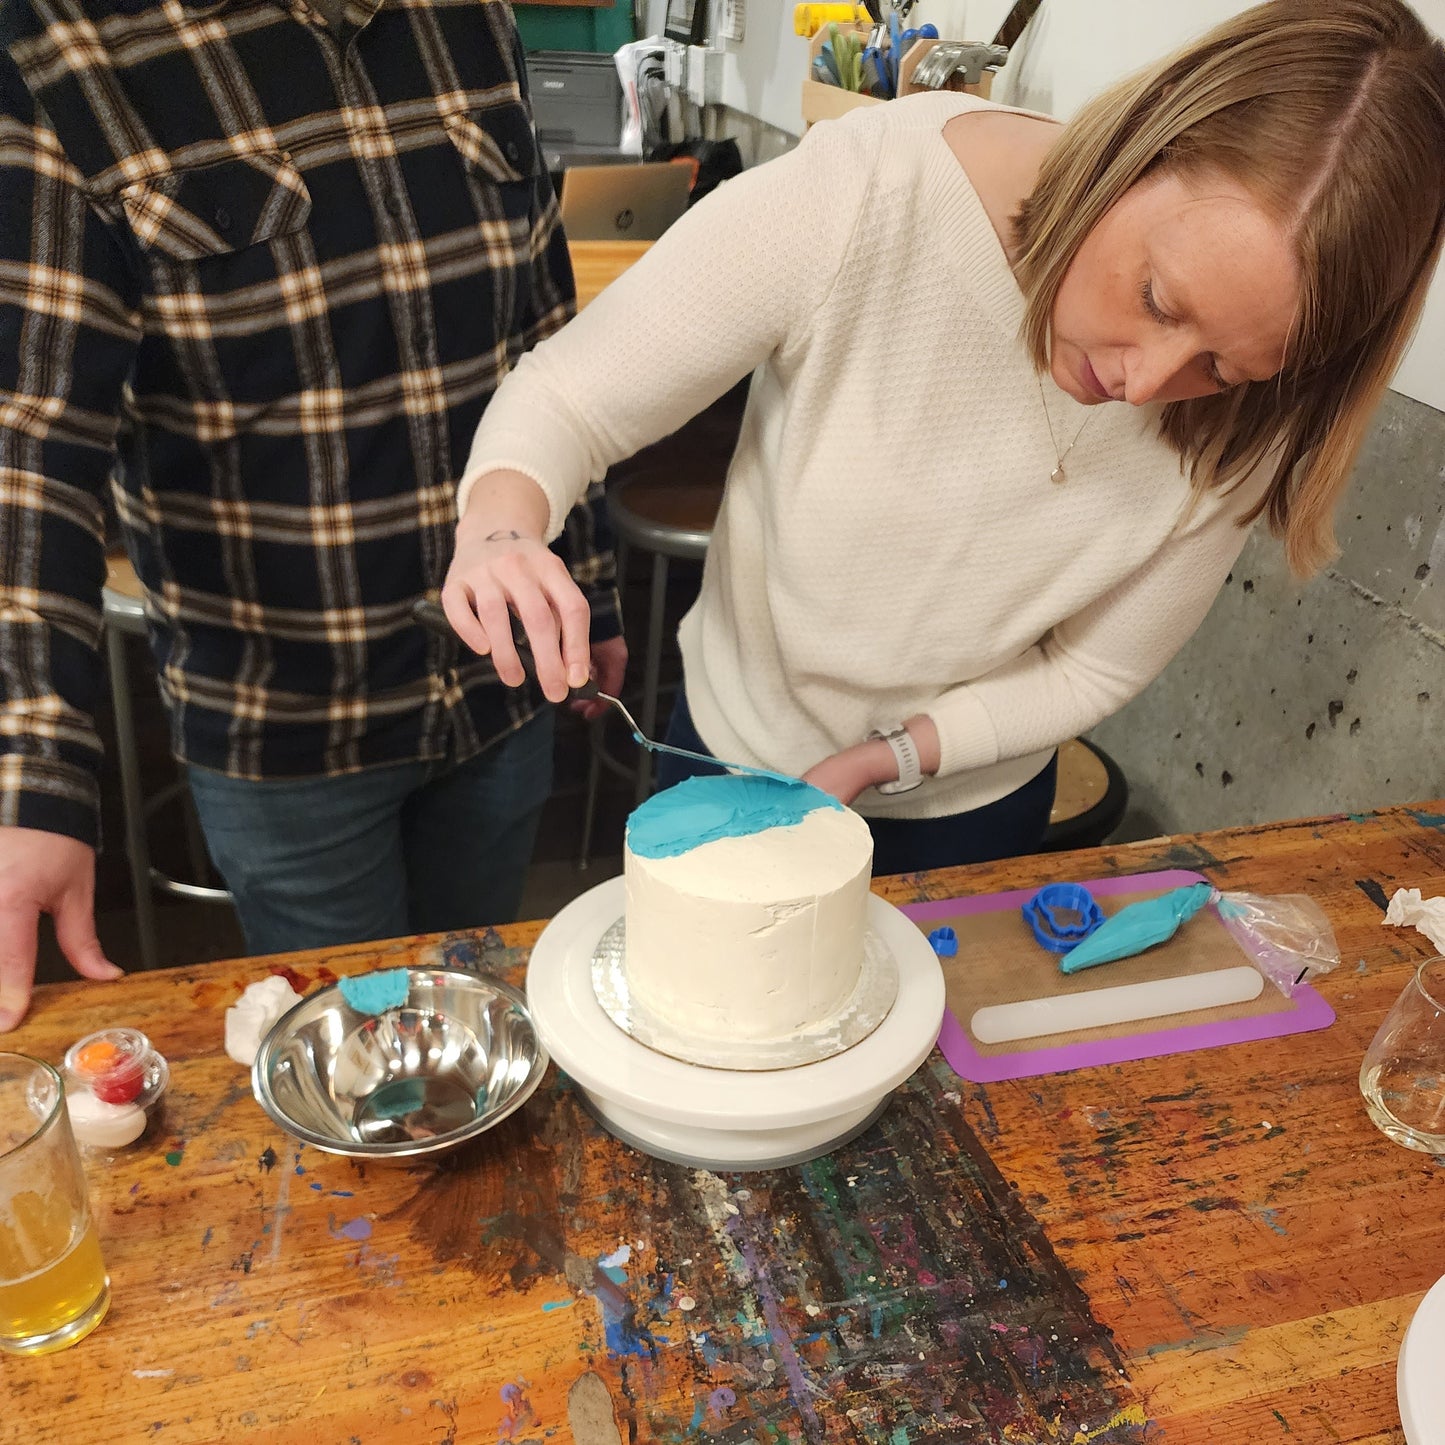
(905, 750)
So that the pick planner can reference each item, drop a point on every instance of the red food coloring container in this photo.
(118, 1066)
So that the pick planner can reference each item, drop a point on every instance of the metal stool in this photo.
(123, 610)
(670, 518)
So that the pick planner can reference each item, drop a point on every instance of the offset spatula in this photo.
(431, 616)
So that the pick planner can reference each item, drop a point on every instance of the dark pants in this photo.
(1008, 828)
(409, 848)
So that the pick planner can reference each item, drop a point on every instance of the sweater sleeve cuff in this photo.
(966, 736)
(557, 509)
(543, 462)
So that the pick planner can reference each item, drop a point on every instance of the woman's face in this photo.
(1184, 287)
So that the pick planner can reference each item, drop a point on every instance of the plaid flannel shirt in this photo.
(259, 278)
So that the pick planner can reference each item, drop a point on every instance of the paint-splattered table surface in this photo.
(1214, 1247)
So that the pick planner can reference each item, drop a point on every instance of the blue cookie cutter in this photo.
(1062, 915)
(944, 941)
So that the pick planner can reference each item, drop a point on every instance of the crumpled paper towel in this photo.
(1426, 914)
(249, 1019)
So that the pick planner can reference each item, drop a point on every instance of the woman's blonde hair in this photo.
(1332, 114)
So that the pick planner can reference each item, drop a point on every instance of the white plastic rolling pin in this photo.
(1030, 1018)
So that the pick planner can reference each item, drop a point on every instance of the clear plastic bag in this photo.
(1287, 936)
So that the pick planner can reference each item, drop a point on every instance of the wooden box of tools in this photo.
(827, 102)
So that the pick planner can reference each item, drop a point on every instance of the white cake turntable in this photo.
(729, 1117)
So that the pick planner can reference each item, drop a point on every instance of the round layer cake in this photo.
(746, 905)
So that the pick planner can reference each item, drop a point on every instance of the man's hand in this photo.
(44, 873)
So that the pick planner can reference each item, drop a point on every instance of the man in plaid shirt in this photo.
(262, 264)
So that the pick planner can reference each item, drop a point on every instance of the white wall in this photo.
(1073, 49)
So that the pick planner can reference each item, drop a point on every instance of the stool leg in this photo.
(195, 840)
(596, 734)
(133, 804)
(651, 668)
(594, 781)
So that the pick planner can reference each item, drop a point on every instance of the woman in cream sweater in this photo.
(1018, 390)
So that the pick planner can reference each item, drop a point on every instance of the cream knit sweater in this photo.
(890, 542)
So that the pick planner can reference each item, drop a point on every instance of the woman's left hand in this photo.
(848, 773)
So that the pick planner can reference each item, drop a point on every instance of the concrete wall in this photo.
(1295, 699)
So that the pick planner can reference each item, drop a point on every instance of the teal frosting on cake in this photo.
(702, 810)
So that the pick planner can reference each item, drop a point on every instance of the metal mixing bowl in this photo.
(457, 1057)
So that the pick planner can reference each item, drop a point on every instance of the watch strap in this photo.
(905, 751)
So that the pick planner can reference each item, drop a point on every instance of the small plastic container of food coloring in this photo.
(114, 1080)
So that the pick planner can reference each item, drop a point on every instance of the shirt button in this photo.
(512, 151)
(223, 219)
(392, 202)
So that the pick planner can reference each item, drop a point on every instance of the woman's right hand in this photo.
(501, 568)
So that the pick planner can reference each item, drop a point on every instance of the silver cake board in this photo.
(861, 1012)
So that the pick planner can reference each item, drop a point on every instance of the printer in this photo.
(577, 104)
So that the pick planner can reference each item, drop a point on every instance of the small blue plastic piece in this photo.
(1062, 915)
(944, 941)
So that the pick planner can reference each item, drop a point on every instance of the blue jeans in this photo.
(1008, 828)
(405, 848)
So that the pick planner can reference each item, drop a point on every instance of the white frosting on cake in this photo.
(754, 937)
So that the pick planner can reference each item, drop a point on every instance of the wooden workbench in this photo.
(1215, 1247)
(597, 264)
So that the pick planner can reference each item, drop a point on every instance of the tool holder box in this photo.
(827, 102)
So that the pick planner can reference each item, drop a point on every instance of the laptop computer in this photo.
(623, 203)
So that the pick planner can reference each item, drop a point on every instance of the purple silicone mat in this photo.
(1310, 1012)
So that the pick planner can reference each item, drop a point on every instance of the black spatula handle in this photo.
(431, 616)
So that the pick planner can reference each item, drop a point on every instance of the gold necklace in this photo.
(1058, 476)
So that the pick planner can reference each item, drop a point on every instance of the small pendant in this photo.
(1057, 476)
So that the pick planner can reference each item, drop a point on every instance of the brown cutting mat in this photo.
(999, 961)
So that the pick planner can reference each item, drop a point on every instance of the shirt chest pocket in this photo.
(499, 151)
(216, 209)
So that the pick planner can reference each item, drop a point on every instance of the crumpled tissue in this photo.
(1407, 908)
(249, 1019)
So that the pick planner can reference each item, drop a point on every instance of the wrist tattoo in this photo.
(505, 537)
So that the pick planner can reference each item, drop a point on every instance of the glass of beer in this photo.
(1403, 1075)
(53, 1285)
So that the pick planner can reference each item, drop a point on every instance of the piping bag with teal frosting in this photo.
(431, 616)
(1138, 926)
(1287, 936)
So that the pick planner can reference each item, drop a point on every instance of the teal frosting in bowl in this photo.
(377, 991)
(702, 810)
